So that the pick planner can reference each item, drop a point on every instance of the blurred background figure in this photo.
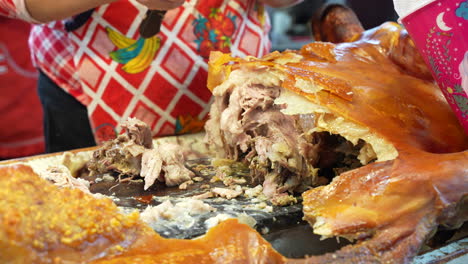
(21, 113)
(291, 28)
(373, 13)
(21, 120)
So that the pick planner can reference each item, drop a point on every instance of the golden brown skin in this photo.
(370, 82)
(228, 242)
(40, 223)
(379, 81)
(374, 81)
(396, 203)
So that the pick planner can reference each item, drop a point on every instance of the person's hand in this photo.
(161, 4)
(49, 10)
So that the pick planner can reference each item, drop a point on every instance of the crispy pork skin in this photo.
(41, 223)
(369, 101)
(44, 224)
(390, 208)
(296, 115)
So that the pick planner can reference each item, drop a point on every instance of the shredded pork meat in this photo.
(134, 154)
(61, 177)
(283, 151)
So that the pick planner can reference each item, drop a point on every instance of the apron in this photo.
(20, 108)
(160, 80)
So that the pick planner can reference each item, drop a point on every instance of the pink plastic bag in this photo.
(440, 32)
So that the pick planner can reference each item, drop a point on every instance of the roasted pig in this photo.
(294, 116)
(366, 112)
(369, 111)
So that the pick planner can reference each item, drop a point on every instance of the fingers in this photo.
(161, 4)
(335, 23)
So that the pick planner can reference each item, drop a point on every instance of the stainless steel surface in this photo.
(298, 241)
(454, 253)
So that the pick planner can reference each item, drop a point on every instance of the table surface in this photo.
(287, 239)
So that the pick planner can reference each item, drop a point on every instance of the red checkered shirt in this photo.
(170, 94)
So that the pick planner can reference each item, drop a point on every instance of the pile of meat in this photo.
(134, 154)
(281, 136)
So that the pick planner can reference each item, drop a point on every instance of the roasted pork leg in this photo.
(390, 208)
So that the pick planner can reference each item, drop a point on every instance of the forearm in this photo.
(49, 10)
(280, 3)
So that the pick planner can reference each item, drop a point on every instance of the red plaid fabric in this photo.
(167, 87)
(15, 9)
(52, 50)
(7, 8)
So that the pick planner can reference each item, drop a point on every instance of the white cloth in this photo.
(463, 68)
(406, 7)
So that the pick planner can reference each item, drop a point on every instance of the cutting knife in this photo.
(151, 24)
